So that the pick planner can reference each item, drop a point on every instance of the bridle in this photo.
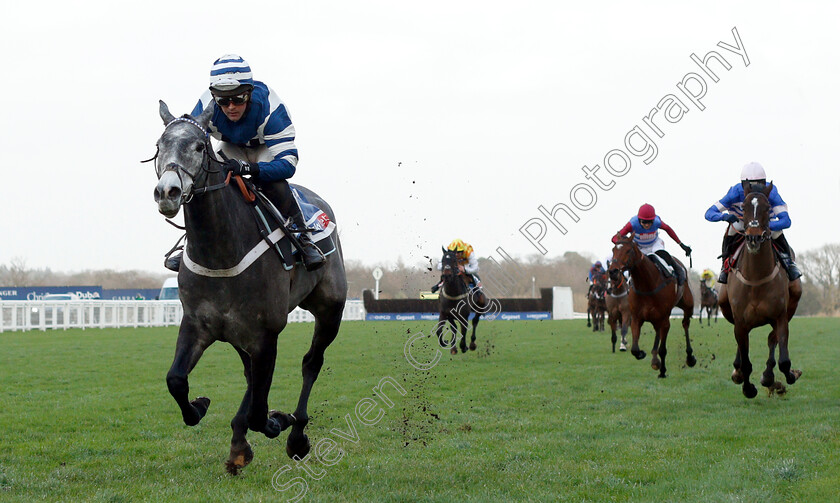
(205, 169)
(755, 240)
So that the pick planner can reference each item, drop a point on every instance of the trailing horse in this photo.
(457, 301)
(758, 294)
(597, 304)
(708, 302)
(233, 291)
(652, 297)
(618, 308)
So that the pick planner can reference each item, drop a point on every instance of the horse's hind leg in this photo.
(188, 350)
(768, 379)
(783, 333)
(690, 360)
(327, 322)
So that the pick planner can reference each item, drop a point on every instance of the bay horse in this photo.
(759, 293)
(597, 304)
(652, 297)
(708, 303)
(618, 308)
(457, 302)
(236, 295)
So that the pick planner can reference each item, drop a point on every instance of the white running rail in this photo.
(43, 315)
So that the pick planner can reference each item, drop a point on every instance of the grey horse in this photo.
(234, 294)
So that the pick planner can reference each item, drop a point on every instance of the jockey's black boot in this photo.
(313, 257)
(436, 288)
(727, 249)
(173, 262)
(782, 248)
(281, 195)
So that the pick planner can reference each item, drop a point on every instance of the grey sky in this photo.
(421, 122)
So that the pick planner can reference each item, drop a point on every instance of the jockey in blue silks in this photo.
(731, 208)
(257, 135)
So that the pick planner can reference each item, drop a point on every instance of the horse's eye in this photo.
(199, 147)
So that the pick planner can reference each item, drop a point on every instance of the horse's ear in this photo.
(768, 189)
(164, 113)
(204, 117)
(443, 250)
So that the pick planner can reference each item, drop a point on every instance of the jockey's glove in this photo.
(242, 168)
(686, 249)
(731, 218)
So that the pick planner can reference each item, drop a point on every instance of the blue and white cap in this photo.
(230, 75)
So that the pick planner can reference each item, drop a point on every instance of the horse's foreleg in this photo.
(613, 338)
(725, 307)
(742, 364)
(326, 329)
(636, 329)
(188, 350)
(463, 342)
(588, 323)
(474, 325)
(262, 372)
(240, 450)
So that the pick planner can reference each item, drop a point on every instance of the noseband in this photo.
(179, 170)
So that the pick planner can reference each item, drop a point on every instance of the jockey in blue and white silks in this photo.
(256, 134)
(645, 228)
(730, 208)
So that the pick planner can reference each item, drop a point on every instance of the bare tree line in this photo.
(501, 278)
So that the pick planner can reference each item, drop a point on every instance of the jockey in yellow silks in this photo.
(708, 277)
(467, 263)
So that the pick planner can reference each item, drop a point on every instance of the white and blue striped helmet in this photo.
(230, 75)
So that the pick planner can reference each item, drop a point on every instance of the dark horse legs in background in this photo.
(246, 306)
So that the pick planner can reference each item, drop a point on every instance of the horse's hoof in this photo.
(453, 351)
(640, 355)
(777, 388)
(662, 376)
(793, 375)
(769, 381)
(691, 361)
(463, 349)
(750, 391)
(588, 325)
(654, 365)
(200, 406)
(283, 419)
(623, 347)
(239, 459)
(473, 346)
(737, 377)
(297, 447)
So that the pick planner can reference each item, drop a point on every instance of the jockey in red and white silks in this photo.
(645, 228)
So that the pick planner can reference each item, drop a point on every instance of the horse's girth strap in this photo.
(766, 279)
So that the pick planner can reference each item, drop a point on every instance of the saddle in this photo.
(663, 266)
(314, 218)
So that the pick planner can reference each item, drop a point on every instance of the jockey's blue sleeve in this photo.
(782, 222)
(713, 214)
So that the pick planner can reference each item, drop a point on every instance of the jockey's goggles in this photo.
(224, 101)
(645, 222)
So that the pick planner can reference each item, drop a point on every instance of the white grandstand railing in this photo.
(42, 315)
